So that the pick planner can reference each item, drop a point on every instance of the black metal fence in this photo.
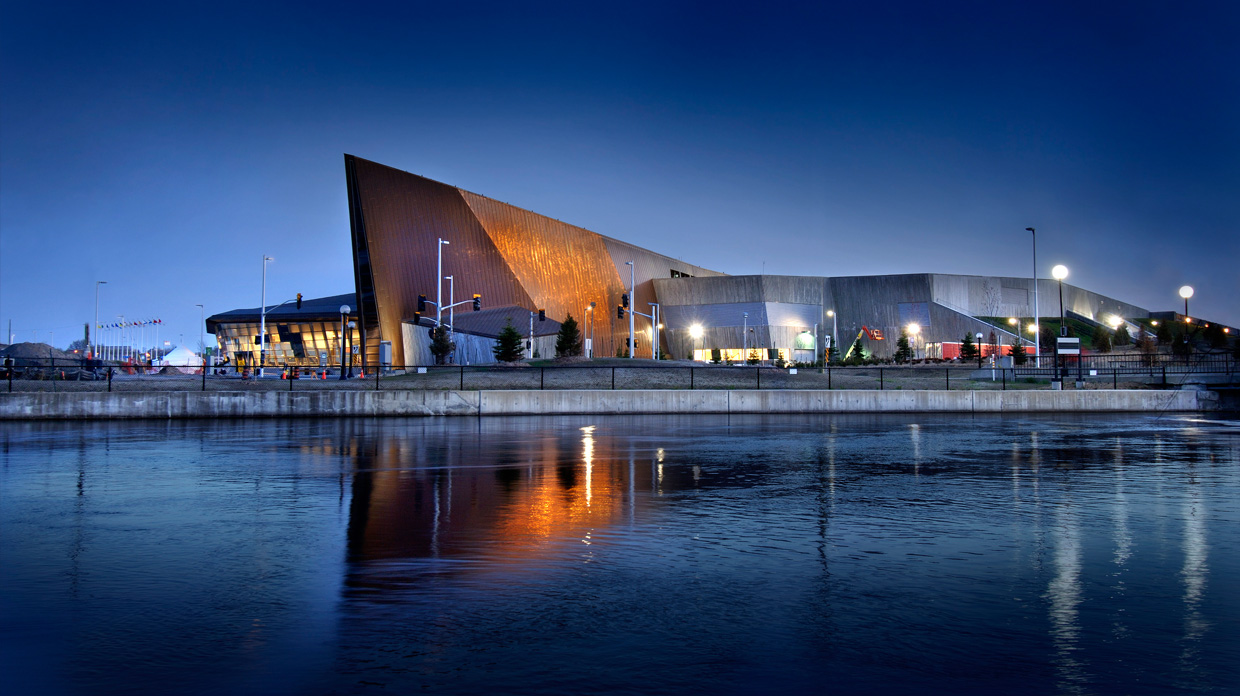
(1091, 371)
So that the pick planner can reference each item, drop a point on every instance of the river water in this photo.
(656, 555)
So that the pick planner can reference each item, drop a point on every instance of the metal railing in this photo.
(1097, 371)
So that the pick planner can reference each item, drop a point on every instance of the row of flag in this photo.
(123, 324)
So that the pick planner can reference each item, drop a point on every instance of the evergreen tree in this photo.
(904, 352)
(1101, 340)
(968, 349)
(856, 354)
(441, 345)
(507, 347)
(1122, 337)
(1047, 338)
(568, 342)
(1215, 337)
(1163, 334)
(832, 355)
(1180, 343)
(716, 356)
(1019, 356)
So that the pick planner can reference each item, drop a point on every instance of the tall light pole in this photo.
(1037, 336)
(344, 318)
(656, 326)
(1059, 273)
(439, 279)
(590, 315)
(451, 310)
(262, 321)
(1186, 292)
(202, 320)
(835, 332)
(94, 327)
(695, 332)
(744, 337)
(632, 303)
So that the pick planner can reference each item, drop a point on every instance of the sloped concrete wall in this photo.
(410, 403)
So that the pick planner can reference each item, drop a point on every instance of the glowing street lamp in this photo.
(1059, 273)
(835, 329)
(695, 332)
(1186, 292)
(913, 330)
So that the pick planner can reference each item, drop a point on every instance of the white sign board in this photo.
(1068, 346)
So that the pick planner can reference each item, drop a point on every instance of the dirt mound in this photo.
(37, 351)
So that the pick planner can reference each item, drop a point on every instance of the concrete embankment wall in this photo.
(163, 405)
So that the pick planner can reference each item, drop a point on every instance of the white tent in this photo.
(183, 359)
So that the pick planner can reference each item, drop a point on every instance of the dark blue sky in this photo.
(166, 148)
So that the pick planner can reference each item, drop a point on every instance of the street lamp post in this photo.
(1037, 338)
(654, 322)
(90, 348)
(202, 320)
(835, 332)
(1059, 273)
(344, 314)
(745, 338)
(262, 322)
(632, 303)
(1186, 292)
(439, 279)
(590, 316)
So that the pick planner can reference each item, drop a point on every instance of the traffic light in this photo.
(624, 300)
(299, 300)
(619, 311)
(477, 302)
(542, 315)
(421, 304)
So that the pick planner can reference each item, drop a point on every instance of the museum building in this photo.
(407, 230)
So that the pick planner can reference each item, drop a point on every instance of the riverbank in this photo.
(413, 403)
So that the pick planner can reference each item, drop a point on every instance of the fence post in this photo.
(542, 376)
(691, 385)
(462, 378)
(829, 374)
(880, 379)
(1164, 371)
(8, 364)
(613, 378)
(1004, 379)
(758, 371)
(1114, 377)
(377, 371)
(109, 380)
(947, 372)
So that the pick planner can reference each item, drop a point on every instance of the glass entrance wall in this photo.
(737, 355)
(288, 343)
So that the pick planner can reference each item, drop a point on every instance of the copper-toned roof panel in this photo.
(405, 215)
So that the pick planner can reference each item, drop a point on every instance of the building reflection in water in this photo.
(1194, 575)
(1064, 599)
(503, 497)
